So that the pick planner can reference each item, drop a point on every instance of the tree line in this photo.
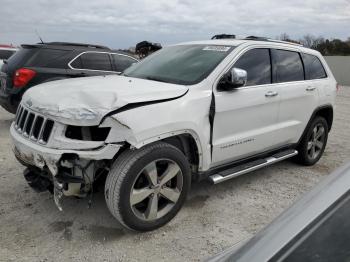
(324, 46)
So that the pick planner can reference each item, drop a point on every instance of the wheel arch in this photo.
(325, 111)
(187, 145)
(187, 141)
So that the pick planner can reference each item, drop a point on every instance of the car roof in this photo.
(237, 42)
(227, 42)
(76, 46)
(67, 46)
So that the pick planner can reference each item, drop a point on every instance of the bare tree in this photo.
(284, 37)
(308, 40)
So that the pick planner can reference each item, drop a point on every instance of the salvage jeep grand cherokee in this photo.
(202, 110)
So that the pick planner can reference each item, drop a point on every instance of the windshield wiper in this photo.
(155, 79)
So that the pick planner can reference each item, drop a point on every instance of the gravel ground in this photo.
(214, 217)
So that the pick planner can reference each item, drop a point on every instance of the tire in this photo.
(133, 173)
(309, 150)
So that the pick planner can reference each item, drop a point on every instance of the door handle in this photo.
(310, 88)
(271, 94)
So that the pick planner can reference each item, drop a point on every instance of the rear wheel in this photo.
(314, 142)
(146, 188)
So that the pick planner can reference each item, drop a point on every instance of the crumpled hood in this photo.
(85, 101)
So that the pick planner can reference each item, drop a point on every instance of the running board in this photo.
(251, 166)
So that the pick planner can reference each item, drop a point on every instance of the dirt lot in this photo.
(214, 217)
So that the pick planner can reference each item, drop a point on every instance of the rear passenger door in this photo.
(299, 97)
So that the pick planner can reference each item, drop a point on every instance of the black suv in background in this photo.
(43, 62)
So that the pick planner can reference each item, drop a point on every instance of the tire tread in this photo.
(119, 171)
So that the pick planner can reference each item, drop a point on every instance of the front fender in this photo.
(144, 125)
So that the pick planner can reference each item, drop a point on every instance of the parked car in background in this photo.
(315, 229)
(5, 52)
(44, 62)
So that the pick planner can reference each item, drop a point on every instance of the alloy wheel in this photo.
(316, 141)
(156, 189)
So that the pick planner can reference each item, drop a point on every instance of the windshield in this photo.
(182, 64)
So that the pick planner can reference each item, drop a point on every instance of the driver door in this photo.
(246, 118)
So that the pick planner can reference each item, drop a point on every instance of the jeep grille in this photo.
(33, 126)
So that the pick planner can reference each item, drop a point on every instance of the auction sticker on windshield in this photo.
(218, 48)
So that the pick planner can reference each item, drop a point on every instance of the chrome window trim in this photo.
(99, 52)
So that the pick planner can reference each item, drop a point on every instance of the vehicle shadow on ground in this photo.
(95, 223)
(78, 219)
(98, 224)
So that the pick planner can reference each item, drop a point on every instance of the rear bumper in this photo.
(32, 154)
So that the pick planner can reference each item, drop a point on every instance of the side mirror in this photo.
(233, 79)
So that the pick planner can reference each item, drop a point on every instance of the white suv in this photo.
(200, 110)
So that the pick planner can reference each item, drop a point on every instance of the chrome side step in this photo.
(251, 166)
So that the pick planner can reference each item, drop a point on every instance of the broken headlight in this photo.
(87, 133)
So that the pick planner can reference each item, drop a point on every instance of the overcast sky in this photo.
(122, 23)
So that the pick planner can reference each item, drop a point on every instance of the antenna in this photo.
(36, 31)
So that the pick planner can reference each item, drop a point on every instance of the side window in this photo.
(48, 58)
(93, 61)
(257, 64)
(122, 62)
(313, 67)
(287, 66)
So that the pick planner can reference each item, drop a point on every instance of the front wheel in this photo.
(313, 143)
(147, 187)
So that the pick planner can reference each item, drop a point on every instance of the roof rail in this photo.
(285, 42)
(75, 44)
(259, 38)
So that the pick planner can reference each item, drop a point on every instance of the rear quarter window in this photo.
(313, 67)
(287, 66)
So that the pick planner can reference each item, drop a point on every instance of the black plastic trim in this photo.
(211, 121)
(318, 109)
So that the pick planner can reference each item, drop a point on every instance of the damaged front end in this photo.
(63, 159)
(74, 178)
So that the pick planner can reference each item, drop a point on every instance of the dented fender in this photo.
(144, 125)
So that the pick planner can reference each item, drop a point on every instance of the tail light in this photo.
(22, 77)
(338, 87)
